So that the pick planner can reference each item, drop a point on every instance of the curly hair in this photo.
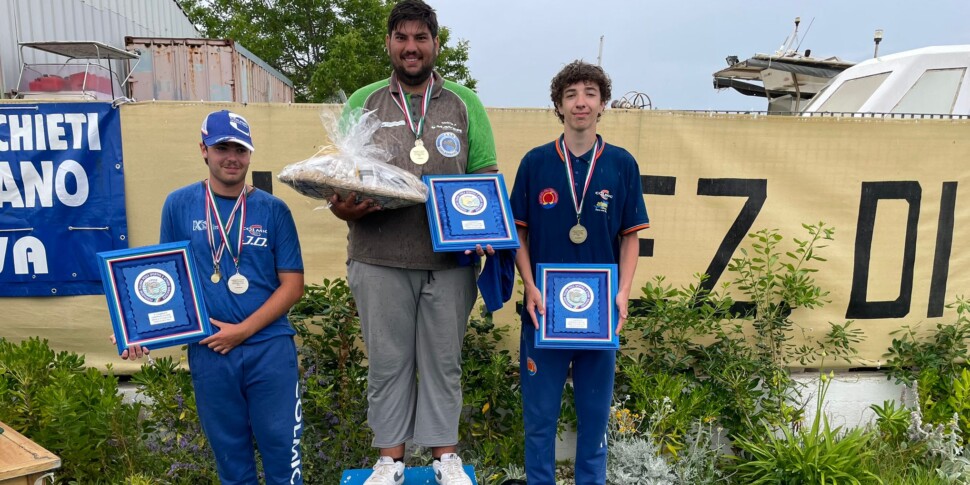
(575, 72)
(408, 10)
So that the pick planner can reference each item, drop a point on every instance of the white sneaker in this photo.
(386, 472)
(448, 471)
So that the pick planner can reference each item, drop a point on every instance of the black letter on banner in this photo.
(872, 192)
(655, 185)
(944, 243)
(756, 190)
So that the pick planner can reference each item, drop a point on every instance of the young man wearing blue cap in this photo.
(575, 200)
(245, 243)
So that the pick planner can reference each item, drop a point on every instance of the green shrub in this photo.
(74, 412)
(820, 454)
(935, 362)
(491, 429)
(180, 451)
(334, 382)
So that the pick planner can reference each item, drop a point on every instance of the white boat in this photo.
(927, 82)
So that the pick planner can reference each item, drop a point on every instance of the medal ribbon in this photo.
(578, 200)
(226, 239)
(402, 103)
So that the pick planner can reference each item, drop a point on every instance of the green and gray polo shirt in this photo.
(458, 138)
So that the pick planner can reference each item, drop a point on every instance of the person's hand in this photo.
(351, 209)
(481, 252)
(533, 302)
(229, 336)
(622, 302)
(131, 353)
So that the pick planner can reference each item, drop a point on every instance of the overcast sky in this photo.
(668, 50)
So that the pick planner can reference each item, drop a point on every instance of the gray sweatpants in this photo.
(413, 322)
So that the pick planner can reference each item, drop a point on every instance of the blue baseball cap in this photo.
(221, 126)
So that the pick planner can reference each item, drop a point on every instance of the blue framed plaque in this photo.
(154, 296)
(580, 302)
(465, 210)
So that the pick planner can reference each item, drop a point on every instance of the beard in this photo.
(414, 79)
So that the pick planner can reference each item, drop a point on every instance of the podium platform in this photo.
(419, 475)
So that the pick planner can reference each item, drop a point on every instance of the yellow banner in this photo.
(891, 189)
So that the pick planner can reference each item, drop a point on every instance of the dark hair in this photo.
(408, 10)
(576, 72)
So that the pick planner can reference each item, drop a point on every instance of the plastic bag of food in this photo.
(354, 164)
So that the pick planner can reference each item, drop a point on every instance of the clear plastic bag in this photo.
(354, 164)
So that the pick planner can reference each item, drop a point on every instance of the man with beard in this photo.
(414, 303)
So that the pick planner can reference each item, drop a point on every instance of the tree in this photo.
(326, 47)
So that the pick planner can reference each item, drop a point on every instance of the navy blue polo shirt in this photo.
(613, 205)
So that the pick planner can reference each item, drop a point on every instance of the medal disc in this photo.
(577, 234)
(238, 284)
(215, 278)
(419, 154)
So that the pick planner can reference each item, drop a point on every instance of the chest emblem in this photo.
(605, 194)
(448, 144)
(548, 198)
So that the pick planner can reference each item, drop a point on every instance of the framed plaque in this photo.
(465, 210)
(154, 296)
(580, 306)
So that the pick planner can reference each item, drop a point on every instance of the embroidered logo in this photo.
(530, 365)
(548, 198)
(448, 144)
(605, 194)
(576, 296)
(256, 230)
(602, 206)
(154, 287)
(239, 123)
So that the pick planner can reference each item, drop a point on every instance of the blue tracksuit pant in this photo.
(543, 375)
(253, 391)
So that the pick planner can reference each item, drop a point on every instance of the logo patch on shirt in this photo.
(605, 194)
(448, 144)
(256, 230)
(548, 198)
(391, 124)
(530, 365)
(602, 206)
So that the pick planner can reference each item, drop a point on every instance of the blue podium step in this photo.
(419, 475)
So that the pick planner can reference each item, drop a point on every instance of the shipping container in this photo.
(203, 70)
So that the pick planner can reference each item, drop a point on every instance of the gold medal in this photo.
(419, 154)
(216, 277)
(577, 234)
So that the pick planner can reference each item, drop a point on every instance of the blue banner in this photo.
(62, 196)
